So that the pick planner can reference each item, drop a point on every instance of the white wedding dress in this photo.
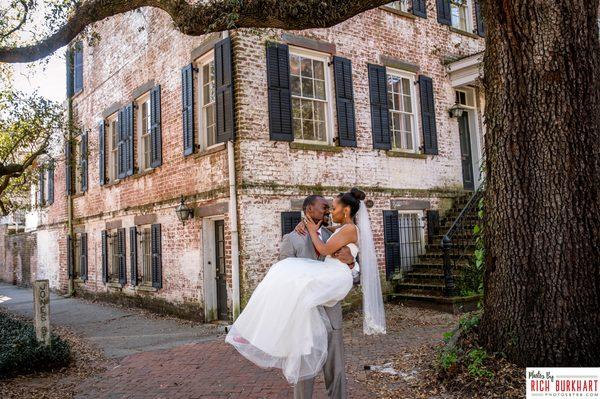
(281, 325)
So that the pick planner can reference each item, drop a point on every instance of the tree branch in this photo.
(21, 21)
(200, 18)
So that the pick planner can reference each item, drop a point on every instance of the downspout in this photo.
(233, 222)
(71, 285)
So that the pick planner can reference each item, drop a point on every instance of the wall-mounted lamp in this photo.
(456, 111)
(184, 212)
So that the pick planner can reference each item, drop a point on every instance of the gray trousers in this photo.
(333, 369)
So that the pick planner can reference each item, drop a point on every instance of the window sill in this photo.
(145, 288)
(398, 12)
(404, 154)
(76, 94)
(113, 183)
(464, 32)
(77, 195)
(79, 281)
(211, 150)
(141, 174)
(114, 285)
(314, 147)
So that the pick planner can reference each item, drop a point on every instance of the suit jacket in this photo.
(294, 245)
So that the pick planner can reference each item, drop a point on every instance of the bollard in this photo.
(41, 310)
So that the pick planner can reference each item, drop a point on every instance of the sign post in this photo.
(41, 310)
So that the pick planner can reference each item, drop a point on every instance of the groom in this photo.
(297, 245)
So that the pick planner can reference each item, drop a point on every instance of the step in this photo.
(455, 305)
(457, 248)
(421, 287)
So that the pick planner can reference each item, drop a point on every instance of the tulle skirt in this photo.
(281, 325)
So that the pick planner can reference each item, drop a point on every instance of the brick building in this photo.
(243, 125)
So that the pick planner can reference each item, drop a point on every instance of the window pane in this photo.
(306, 65)
(319, 111)
(307, 88)
(407, 104)
(319, 70)
(295, 65)
(308, 130)
(296, 108)
(307, 110)
(296, 86)
(320, 89)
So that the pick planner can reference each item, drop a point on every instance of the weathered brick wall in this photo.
(273, 173)
(141, 47)
(18, 261)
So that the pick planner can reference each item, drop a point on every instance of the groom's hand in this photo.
(345, 256)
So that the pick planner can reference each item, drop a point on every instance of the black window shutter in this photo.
(344, 99)
(40, 197)
(433, 225)
(391, 236)
(121, 253)
(420, 8)
(69, 64)
(78, 67)
(68, 167)
(156, 256)
(84, 256)
(443, 12)
(129, 133)
(121, 145)
(224, 91)
(380, 121)
(105, 256)
(289, 221)
(187, 108)
(69, 256)
(133, 254)
(430, 144)
(83, 161)
(155, 128)
(479, 18)
(50, 193)
(101, 153)
(280, 95)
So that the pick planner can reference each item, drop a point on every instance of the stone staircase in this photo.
(424, 285)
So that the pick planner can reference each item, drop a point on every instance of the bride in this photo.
(281, 325)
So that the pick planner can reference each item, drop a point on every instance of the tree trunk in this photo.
(542, 279)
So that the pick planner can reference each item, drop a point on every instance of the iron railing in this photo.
(459, 239)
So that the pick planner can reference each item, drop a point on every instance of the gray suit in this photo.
(300, 246)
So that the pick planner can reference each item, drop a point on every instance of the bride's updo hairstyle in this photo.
(352, 199)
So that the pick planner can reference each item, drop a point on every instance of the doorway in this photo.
(469, 138)
(220, 273)
(466, 155)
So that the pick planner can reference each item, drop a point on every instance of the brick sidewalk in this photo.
(214, 369)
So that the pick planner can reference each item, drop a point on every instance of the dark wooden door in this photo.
(465, 151)
(220, 269)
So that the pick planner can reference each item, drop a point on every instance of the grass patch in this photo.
(20, 353)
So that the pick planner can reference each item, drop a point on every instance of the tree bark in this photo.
(542, 279)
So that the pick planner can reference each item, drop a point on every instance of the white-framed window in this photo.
(143, 131)
(75, 161)
(145, 255)
(465, 97)
(206, 100)
(403, 110)
(402, 5)
(461, 14)
(112, 148)
(311, 105)
(412, 237)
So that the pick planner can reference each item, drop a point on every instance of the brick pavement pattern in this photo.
(214, 369)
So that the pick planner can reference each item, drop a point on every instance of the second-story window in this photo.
(402, 104)
(310, 88)
(143, 131)
(112, 147)
(460, 12)
(206, 86)
(402, 5)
